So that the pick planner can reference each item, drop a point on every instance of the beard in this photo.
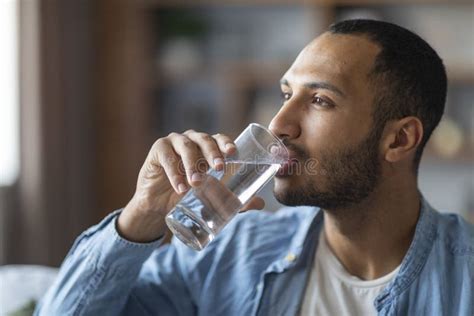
(350, 176)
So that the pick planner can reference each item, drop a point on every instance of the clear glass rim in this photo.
(275, 138)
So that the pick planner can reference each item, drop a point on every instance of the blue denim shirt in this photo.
(258, 265)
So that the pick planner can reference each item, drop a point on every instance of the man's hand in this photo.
(174, 164)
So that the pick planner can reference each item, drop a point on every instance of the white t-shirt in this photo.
(331, 290)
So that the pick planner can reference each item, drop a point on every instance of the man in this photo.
(361, 99)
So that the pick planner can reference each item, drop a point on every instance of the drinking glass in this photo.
(205, 210)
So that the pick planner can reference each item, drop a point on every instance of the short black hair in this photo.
(409, 76)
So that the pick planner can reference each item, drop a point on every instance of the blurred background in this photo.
(88, 85)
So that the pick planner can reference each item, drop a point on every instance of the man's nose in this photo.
(286, 123)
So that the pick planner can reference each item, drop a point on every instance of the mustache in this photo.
(298, 150)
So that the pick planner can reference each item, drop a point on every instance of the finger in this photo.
(256, 203)
(194, 163)
(209, 148)
(169, 161)
(226, 144)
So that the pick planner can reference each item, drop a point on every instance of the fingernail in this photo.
(182, 187)
(229, 146)
(218, 161)
(196, 177)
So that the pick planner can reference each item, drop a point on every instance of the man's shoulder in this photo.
(456, 234)
(446, 266)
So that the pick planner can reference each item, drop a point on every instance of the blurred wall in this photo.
(54, 195)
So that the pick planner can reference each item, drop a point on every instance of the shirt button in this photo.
(290, 257)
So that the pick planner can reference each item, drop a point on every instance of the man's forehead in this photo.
(335, 56)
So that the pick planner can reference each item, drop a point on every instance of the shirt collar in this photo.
(416, 256)
(305, 240)
(303, 243)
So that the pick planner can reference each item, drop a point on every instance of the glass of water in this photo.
(205, 210)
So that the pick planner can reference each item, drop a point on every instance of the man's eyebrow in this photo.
(317, 85)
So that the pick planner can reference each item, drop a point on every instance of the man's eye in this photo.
(285, 95)
(321, 102)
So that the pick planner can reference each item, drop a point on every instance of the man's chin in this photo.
(286, 191)
(291, 192)
(287, 198)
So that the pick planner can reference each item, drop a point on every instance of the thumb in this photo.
(256, 203)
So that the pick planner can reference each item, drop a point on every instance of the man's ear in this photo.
(402, 138)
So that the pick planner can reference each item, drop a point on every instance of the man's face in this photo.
(326, 122)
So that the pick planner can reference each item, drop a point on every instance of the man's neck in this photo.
(371, 238)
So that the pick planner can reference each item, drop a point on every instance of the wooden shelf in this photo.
(207, 3)
(195, 3)
(396, 2)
